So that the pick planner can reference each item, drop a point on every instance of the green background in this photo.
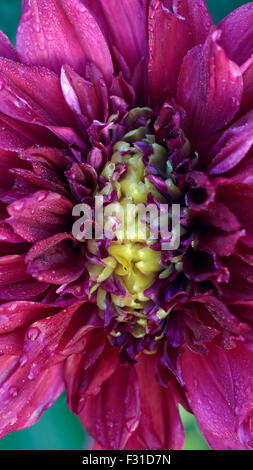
(58, 428)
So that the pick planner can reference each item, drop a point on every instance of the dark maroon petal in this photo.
(58, 32)
(232, 146)
(6, 48)
(119, 401)
(208, 74)
(197, 16)
(40, 215)
(165, 29)
(160, 424)
(219, 388)
(22, 400)
(237, 33)
(55, 260)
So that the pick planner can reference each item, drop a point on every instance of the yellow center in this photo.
(134, 263)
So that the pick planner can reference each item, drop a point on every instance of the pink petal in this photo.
(219, 388)
(160, 424)
(197, 15)
(6, 48)
(22, 401)
(237, 33)
(58, 32)
(119, 402)
(209, 89)
(40, 215)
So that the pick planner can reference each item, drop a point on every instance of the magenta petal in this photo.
(85, 373)
(219, 388)
(82, 96)
(58, 32)
(197, 15)
(165, 30)
(15, 282)
(247, 98)
(49, 340)
(40, 215)
(232, 146)
(207, 74)
(237, 33)
(124, 23)
(160, 424)
(55, 260)
(22, 401)
(119, 401)
(15, 315)
(6, 48)
(48, 95)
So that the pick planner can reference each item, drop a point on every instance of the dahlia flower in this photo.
(144, 101)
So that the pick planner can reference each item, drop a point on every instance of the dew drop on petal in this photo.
(33, 333)
(13, 391)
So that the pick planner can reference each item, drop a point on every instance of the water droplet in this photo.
(18, 206)
(13, 391)
(41, 196)
(33, 333)
(23, 361)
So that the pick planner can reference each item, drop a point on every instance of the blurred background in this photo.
(58, 428)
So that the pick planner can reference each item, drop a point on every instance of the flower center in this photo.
(131, 259)
(124, 266)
